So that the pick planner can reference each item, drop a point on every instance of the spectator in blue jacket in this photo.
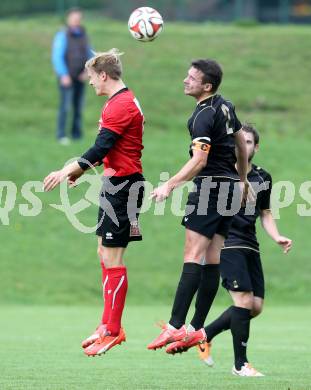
(70, 51)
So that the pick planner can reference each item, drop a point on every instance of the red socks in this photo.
(114, 291)
(106, 312)
(117, 284)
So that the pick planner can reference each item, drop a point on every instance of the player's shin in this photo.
(117, 290)
(107, 304)
(207, 291)
(187, 287)
(240, 324)
(221, 324)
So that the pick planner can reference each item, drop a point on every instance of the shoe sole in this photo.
(107, 349)
(247, 376)
(180, 351)
(184, 349)
(159, 346)
(102, 352)
(209, 362)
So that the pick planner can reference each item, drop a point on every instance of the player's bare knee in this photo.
(212, 256)
(112, 257)
(257, 307)
(195, 247)
(109, 263)
(195, 254)
(243, 299)
(214, 249)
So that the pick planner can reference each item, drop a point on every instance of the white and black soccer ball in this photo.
(145, 24)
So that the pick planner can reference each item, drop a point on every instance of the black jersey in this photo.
(243, 229)
(213, 122)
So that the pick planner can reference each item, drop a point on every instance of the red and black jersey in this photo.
(122, 115)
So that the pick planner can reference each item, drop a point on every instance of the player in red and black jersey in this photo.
(241, 269)
(118, 146)
(215, 132)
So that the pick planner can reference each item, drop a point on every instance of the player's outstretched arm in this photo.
(269, 224)
(92, 157)
(71, 171)
(187, 172)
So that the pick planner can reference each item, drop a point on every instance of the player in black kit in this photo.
(216, 135)
(240, 266)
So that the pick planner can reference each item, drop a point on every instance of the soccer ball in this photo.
(145, 24)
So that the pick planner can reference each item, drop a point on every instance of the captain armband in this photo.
(202, 143)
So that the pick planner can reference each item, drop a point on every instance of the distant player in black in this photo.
(216, 134)
(240, 265)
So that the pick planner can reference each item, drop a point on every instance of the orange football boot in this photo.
(204, 351)
(101, 329)
(192, 339)
(168, 335)
(104, 343)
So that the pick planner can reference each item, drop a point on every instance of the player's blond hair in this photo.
(108, 62)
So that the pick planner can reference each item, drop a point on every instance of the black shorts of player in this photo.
(211, 206)
(241, 270)
(120, 203)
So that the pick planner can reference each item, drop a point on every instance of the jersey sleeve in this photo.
(202, 126)
(116, 118)
(105, 141)
(202, 131)
(266, 194)
(237, 124)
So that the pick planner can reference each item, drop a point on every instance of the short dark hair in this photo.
(212, 72)
(249, 128)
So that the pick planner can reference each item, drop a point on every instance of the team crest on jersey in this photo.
(235, 284)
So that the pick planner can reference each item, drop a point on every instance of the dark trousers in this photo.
(73, 95)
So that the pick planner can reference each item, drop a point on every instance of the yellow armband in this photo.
(198, 145)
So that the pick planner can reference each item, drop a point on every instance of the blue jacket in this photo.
(59, 51)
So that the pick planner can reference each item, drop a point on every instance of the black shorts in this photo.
(208, 225)
(120, 203)
(241, 270)
(208, 207)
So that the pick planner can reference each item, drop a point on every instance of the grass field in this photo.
(46, 353)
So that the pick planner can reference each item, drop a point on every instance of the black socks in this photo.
(208, 288)
(222, 323)
(240, 321)
(187, 287)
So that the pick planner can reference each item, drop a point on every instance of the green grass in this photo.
(46, 353)
(267, 71)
